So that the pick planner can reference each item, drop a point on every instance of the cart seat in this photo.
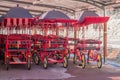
(57, 42)
(90, 41)
(88, 48)
(53, 49)
(16, 49)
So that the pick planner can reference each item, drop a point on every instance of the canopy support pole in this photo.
(75, 37)
(105, 41)
(105, 38)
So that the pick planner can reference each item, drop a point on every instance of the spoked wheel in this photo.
(74, 58)
(99, 61)
(7, 64)
(65, 62)
(36, 59)
(83, 61)
(29, 63)
(45, 63)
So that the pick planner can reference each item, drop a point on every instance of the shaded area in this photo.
(93, 73)
(57, 72)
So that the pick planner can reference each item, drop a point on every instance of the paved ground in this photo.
(57, 72)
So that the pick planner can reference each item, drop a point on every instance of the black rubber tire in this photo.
(36, 59)
(65, 62)
(7, 64)
(45, 63)
(29, 63)
(99, 61)
(74, 58)
(83, 61)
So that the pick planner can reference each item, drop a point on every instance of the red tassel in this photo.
(8, 21)
(15, 21)
(26, 21)
(20, 21)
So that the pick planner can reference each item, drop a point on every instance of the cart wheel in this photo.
(99, 61)
(88, 57)
(74, 58)
(65, 62)
(29, 63)
(36, 59)
(83, 61)
(7, 64)
(45, 64)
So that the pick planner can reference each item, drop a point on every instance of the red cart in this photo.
(52, 47)
(89, 47)
(17, 41)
